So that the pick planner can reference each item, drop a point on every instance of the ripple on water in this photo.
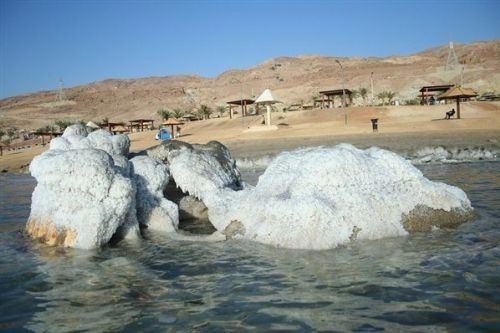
(443, 281)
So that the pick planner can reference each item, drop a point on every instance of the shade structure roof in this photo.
(141, 120)
(243, 101)
(172, 121)
(335, 92)
(266, 98)
(457, 92)
(440, 87)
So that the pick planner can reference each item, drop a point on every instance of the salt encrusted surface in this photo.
(85, 173)
(76, 129)
(81, 198)
(199, 173)
(153, 210)
(318, 198)
(100, 139)
(312, 198)
(211, 160)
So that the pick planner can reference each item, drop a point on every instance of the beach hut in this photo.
(172, 122)
(267, 99)
(458, 93)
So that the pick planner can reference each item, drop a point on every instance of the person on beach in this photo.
(450, 114)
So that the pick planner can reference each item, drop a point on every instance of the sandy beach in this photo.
(401, 129)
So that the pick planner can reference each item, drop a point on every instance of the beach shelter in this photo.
(267, 99)
(458, 93)
(172, 122)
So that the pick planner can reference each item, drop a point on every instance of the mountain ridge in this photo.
(294, 79)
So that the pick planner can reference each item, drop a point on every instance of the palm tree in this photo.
(205, 111)
(382, 95)
(220, 110)
(62, 124)
(363, 92)
(178, 113)
(390, 95)
(164, 114)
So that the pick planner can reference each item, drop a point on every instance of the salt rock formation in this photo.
(76, 129)
(79, 166)
(80, 200)
(75, 137)
(211, 160)
(211, 164)
(153, 210)
(324, 197)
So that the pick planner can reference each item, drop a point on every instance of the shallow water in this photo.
(443, 281)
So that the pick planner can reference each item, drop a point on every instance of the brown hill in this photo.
(293, 80)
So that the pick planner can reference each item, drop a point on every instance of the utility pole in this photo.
(462, 76)
(371, 83)
(343, 90)
(452, 60)
(60, 92)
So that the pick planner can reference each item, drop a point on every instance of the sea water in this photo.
(441, 281)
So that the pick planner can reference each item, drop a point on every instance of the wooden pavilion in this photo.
(114, 127)
(243, 103)
(139, 124)
(429, 93)
(327, 98)
(458, 94)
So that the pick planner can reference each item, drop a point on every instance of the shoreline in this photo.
(396, 142)
(402, 129)
(401, 143)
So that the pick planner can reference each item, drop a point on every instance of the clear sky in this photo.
(84, 41)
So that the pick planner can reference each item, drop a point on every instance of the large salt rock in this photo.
(153, 210)
(325, 197)
(80, 200)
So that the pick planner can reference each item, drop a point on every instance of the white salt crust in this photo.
(86, 185)
(318, 198)
(81, 191)
(153, 210)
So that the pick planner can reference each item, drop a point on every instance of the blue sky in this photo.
(84, 41)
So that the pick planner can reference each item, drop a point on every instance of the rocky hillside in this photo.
(292, 79)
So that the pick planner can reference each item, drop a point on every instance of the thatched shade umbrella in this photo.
(172, 122)
(267, 99)
(457, 93)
